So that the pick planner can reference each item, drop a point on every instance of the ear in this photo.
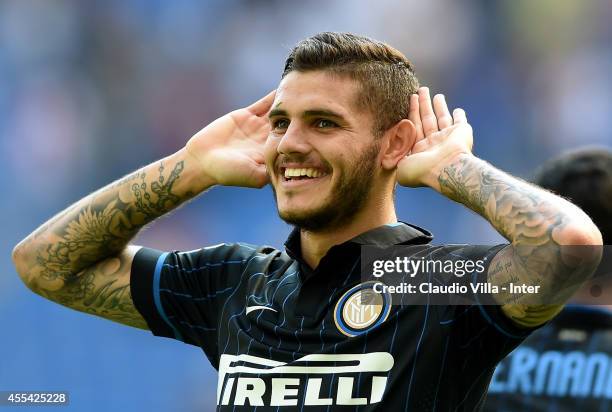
(398, 142)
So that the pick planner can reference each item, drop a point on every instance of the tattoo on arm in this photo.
(102, 289)
(57, 260)
(519, 211)
(529, 218)
(104, 225)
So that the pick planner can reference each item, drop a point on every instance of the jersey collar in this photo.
(339, 266)
(399, 233)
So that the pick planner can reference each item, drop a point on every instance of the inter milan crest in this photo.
(361, 309)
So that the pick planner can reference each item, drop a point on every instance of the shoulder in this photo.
(230, 252)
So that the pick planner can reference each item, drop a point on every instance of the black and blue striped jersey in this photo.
(286, 337)
(565, 366)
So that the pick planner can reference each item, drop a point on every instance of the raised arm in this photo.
(543, 229)
(81, 259)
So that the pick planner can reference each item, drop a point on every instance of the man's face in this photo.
(321, 154)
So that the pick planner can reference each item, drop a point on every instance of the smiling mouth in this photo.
(294, 174)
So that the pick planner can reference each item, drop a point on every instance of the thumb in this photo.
(261, 106)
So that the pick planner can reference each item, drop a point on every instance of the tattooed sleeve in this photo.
(534, 221)
(80, 257)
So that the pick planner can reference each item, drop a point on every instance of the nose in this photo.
(294, 140)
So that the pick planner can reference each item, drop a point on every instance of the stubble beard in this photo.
(346, 199)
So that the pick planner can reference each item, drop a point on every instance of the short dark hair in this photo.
(386, 76)
(585, 178)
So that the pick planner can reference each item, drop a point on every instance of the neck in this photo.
(314, 245)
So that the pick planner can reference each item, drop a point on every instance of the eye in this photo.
(280, 124)
(324, 124)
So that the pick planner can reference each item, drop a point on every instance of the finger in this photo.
(441, 109)
(459, 116)
(442, 135)
(415, 117)
(428, 118)
(262, 106)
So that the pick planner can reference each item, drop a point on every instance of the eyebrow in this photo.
(308, 113)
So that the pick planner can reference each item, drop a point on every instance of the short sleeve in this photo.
(179, 293)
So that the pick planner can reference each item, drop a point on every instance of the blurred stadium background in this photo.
(90, 90)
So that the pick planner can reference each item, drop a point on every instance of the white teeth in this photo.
(309, 172)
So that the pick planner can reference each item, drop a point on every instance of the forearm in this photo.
(538, 224)
(522, 213)
(551, 239)
(102, 224)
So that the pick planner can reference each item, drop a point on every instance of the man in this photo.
(567, 366)
(343, 127)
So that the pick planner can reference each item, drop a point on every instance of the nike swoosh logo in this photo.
(250, 309)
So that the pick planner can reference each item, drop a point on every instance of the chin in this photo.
(290, 215)
(322, 210)
(323, 218)
(301, 207)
